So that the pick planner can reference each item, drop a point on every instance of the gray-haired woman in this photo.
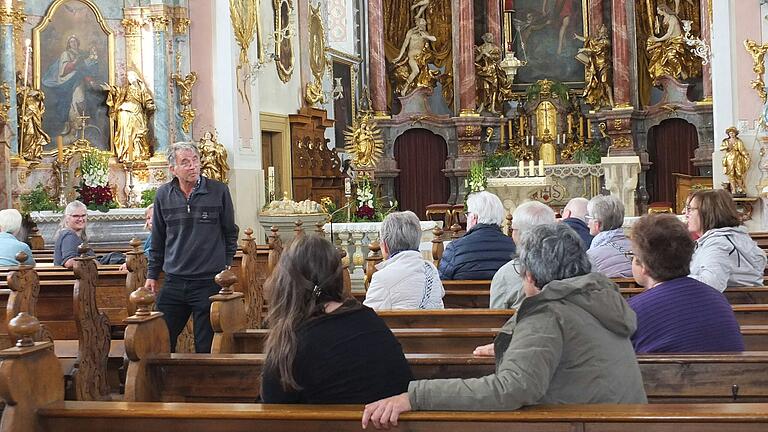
(70, 235)
(570, 342)
(611, 250)
(405, 280)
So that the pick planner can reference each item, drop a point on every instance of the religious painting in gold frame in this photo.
(543, 35)
(73, 53)
(284, 58)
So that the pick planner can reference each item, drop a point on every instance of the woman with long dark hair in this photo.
(323, 348)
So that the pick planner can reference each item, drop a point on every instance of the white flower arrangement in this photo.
(94, 167)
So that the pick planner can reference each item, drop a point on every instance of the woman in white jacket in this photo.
(725, 254)
(404, 280)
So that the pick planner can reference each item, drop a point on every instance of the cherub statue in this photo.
(213, 158)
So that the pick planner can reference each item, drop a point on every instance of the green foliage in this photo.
(148, 197)
(558, 89)
(476, 180)
(498, 160)
(590, 154)
(37, 200)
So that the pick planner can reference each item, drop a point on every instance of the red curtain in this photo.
(670, 150)
(420, 156)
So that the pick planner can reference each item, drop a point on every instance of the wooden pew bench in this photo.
(446, 318)
(173, 417)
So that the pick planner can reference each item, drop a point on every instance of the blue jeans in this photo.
(178, 298)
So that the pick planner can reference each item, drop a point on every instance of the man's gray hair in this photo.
(608, 209)
(578, 208)
(401, 231)
(10, 220)
(553, 252)
(487, 207)
(178, 146)
(529, 214)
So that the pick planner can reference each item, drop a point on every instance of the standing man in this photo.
(194, 237)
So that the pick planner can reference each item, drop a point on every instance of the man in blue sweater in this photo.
(194, 237)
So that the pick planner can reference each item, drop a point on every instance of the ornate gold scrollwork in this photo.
(160, 22)
(180, 25)
(184, 85)
(758, 66)
(283, 50)
(6, 106)
(364, 142)
(245, 17)
(317, 62)
(132, 26)
(622, 142)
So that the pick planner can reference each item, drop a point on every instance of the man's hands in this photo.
(151, 284)
(484, 351)
(384, 413)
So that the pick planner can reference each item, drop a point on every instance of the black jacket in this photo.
(477, 255)
(581, 229)
(195, 238)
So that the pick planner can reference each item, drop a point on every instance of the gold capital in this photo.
(132, 26)
(160, 22)
(180, 25)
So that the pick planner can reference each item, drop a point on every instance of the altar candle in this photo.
(348, 186)
(558, 139)
(271, 181)
(570, 123)
(520, 121)
(521, 169)
(581, 127)
(564, 137)
(501, 134)
(27, 51)
(589, 128)
(531, 168)
(541, 168)
(60, 146)
(509, 126)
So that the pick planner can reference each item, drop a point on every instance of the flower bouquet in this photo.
(94, 190)
(369, 206)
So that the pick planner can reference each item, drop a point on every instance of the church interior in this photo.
(326, 116)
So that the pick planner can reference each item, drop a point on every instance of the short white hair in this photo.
(487, 207)
(401, 231)
(578, 208)
(607, 209)
(529, 214)
(10, 220)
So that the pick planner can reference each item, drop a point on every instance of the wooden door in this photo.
(670, 149)
(420, 156)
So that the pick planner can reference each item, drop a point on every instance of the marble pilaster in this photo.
(706, 36)
(621, 55)
(5, 169)
(494, 20)
(160, 22)
(181, 49)
(8, 75)
(467, 87)
(132, 28)
(595, 16)
(377, 68)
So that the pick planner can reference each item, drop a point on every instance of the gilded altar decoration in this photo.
(283, 9)
(596, 57)
(736, 161)
(493, 87)
(130, 107)
(32, 137)
(185, 98)
(364, 142)
(758, 66)
(245, 17)
(213, 158)
(667, 53)
(317, 62)
(547, 150)
(412, 64)
(6, 105)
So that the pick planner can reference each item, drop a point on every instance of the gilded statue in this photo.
(130, 107)
(736, 161)
(364, 142)
(32, 137)
(667, 53)
(492, 83)
(185, 98)
(415, 53)
(420, 6)
(213, 158)
(596, 57)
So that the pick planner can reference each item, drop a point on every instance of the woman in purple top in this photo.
(676, 313)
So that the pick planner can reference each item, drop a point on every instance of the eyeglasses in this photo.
(588, 218)
(630, 256)
(689, 209)
(78, 216)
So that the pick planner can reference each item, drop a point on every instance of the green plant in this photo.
(148, 197)
(498, 160)
(37, 199)
(476, 180)
(558, 89)
(590, 154)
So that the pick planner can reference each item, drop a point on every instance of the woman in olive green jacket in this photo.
(570, 342)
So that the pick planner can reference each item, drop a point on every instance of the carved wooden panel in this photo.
(136, 262)
(316, 168)
(252, 276)
(25, 289)
(90, 377)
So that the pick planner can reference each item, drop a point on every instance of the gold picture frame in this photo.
(284, 58)
(68, 66)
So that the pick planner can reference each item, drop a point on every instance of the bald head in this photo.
(576, 208)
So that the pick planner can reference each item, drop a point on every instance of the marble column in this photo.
(132, 27)
(595, 16)
(467, 88)
(621, 55)
(160, 22)
(182, 67)
(494, 20)
(377, 68)
(8, 75)
(706, 36)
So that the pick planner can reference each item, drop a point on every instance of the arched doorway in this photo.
(671, 147)
(420, 156)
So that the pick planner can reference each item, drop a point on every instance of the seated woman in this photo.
(725, 254)
(610, 249)
(10, 223)
(676, 313)
(322, 348)
(570, 344)
(70, 235)
(405, 280)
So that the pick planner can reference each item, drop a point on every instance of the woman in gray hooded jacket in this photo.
(570, 342)
(725, 254)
